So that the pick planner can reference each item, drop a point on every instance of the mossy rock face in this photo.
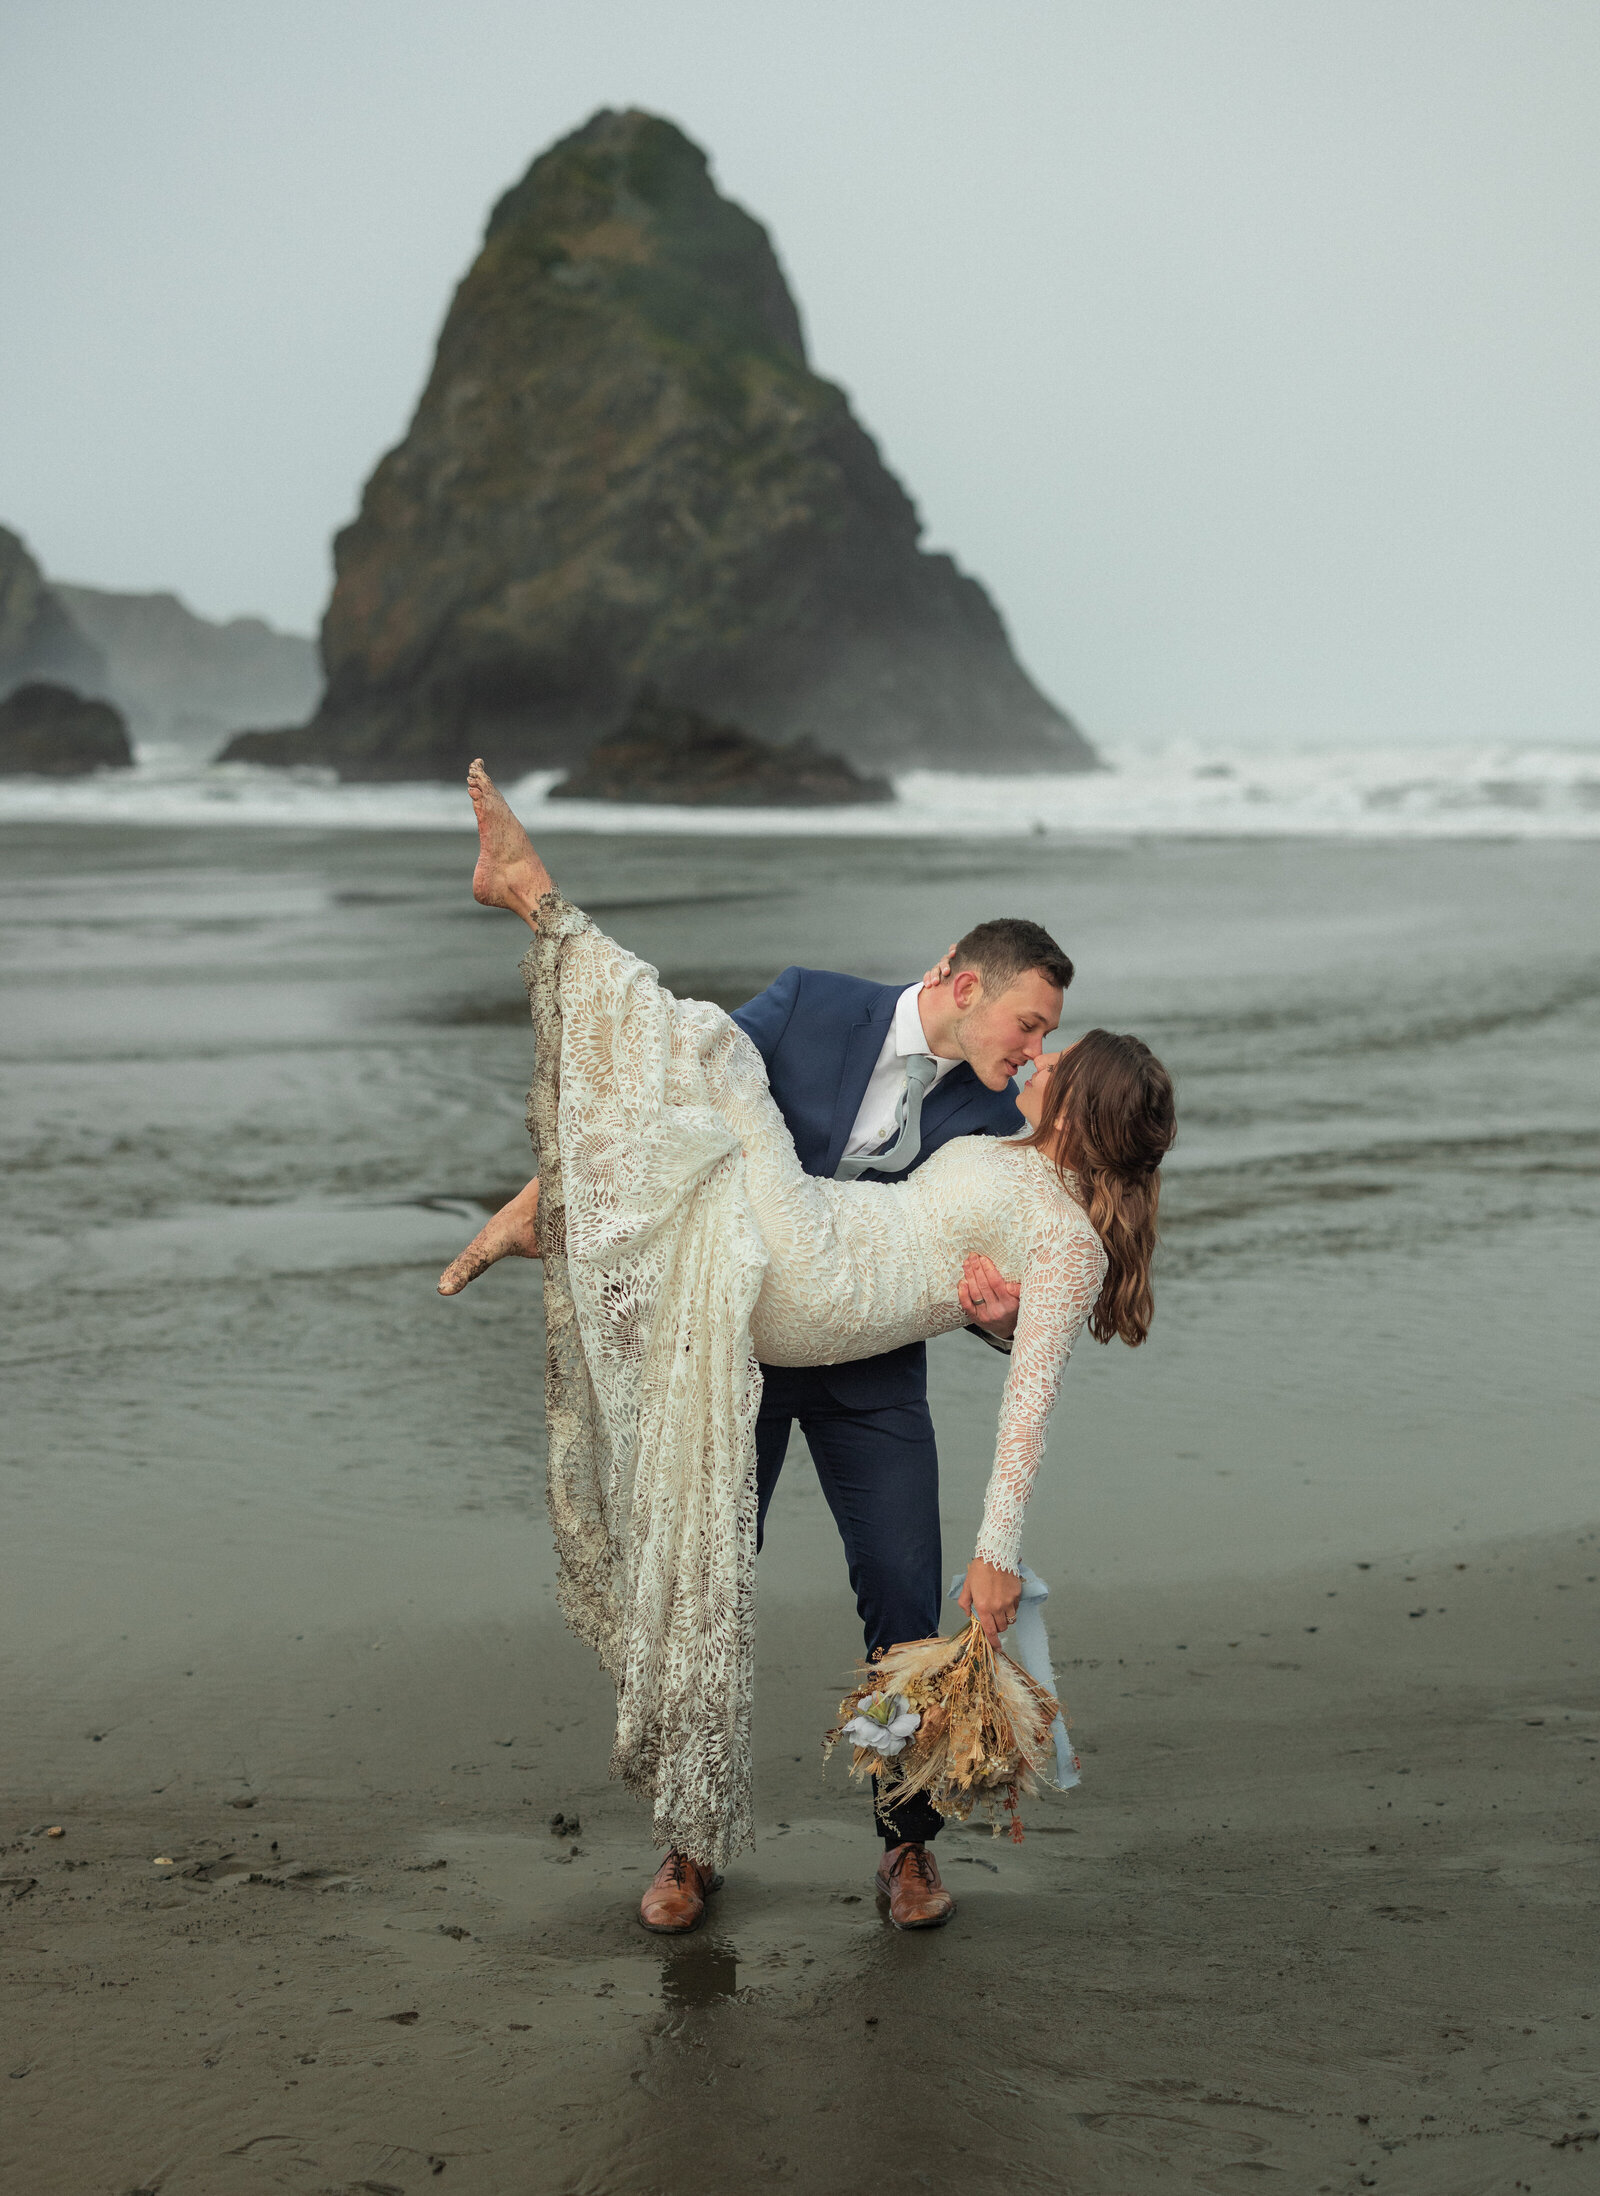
(49, 731)
(622, 471)
(665, 755)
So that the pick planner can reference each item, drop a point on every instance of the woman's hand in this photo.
(989, 1300)
(936, 975)
(992, 1596)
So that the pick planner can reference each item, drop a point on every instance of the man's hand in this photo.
(940, 970)
(989, 1300)
(992, 1596)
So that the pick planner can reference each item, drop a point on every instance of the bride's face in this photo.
(1035, 1094)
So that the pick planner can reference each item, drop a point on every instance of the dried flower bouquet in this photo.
(951, 1718)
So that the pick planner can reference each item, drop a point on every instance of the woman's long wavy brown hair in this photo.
(1109, 1123)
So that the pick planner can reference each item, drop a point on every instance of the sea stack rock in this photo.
(49, 731)
(623, 472)
(662, 754)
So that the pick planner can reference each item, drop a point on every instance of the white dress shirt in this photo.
(880, 1102)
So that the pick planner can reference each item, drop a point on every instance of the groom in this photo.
(872, 1079)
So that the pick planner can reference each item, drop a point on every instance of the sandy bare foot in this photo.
(510, 1234)
(509, 873)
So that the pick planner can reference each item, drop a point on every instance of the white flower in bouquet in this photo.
(983, 1727)
(884, 1722)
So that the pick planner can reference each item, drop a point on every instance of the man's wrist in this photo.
(995, 1341)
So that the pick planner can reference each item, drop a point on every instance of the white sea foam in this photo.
(1507, 792)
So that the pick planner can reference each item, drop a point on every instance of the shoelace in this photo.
(919, 1860)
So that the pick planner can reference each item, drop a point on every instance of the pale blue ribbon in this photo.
(1027, 1642)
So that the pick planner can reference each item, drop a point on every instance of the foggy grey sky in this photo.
(1246, 349)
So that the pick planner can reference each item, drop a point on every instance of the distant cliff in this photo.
(171, 674)
(39, 638)
(193, 679)
(623, 472)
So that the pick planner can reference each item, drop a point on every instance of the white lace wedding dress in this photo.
(682, 1242)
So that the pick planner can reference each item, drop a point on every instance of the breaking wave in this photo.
(1508, 792)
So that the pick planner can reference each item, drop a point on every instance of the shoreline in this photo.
(1487, 792)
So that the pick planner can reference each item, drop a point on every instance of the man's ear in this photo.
(965, 986)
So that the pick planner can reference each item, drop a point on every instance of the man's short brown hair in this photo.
(1001, 951)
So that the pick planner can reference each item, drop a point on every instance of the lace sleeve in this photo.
(1059, 1285)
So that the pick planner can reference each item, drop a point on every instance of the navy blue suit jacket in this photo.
(820, 1035)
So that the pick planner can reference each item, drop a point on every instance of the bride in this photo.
(682, 1241)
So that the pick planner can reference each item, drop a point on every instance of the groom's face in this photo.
(996, 1035)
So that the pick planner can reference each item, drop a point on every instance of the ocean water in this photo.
(258, 1084)
(1518, 791)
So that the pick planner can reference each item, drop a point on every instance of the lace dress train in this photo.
(652, 1263)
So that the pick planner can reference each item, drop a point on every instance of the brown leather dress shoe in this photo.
(676, 1899)
(908, 1877)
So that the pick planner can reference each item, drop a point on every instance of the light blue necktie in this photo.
(920, 1071)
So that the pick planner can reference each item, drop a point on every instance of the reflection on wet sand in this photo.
(701, 1971)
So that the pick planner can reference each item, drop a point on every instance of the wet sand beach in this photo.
(276, 1603)
(1323, 1911)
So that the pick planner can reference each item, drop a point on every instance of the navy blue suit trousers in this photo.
(879, 1470)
